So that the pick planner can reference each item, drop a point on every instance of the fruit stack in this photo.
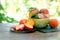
(38, 20)
(41, 18)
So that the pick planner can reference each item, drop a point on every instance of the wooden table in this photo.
(5, 34)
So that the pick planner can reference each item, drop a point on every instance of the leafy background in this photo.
(15, 10)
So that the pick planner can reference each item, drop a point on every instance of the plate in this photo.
(48, 29)
(23, 31)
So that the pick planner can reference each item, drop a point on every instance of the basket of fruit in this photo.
(41, 23)
(41, 18)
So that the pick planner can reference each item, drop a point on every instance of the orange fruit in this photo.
(53, 23)
(29, 24)
(33, 12)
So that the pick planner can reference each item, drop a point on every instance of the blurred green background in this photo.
(14, 10)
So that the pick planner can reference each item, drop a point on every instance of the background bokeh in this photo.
(14, 10)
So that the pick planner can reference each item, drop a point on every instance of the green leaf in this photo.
(32, 8)
(35, 16)
(1, 7)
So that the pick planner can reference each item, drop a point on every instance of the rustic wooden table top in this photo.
(5, 34)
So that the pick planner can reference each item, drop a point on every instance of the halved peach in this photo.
(28, 27)
(18, 27)
(29, 24)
